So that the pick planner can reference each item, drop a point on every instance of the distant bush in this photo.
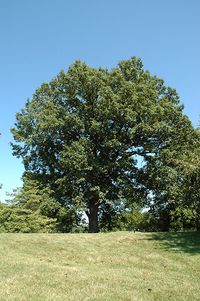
(24, 220)
(33, 208)
(137, 220)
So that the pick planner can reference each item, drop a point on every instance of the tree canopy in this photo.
(99, 136)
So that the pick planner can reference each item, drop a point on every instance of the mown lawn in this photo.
(119, 266)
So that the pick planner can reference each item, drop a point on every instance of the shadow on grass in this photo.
(188, 242)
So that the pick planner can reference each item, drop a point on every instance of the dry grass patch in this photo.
(117, 266)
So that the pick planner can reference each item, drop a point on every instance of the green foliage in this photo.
(183, 194)
(183, 218)
(14, 219)
(85, 133)
(136, 220)
(110, 217)
(188, 209)
(33, 209)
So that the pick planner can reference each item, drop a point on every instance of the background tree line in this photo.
(105, 144)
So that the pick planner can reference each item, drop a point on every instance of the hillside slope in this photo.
(117, 266)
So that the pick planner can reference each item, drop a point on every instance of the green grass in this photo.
(117, 266)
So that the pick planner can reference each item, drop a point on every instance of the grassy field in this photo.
(117, 266)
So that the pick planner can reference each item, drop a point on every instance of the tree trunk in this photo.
(93, 219)
(198, 219)
(198, 225)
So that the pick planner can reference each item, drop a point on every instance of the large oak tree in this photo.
(97, 136)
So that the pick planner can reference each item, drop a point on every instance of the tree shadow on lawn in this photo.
(188, 242)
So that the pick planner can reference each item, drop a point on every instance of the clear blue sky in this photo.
(38, 38)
